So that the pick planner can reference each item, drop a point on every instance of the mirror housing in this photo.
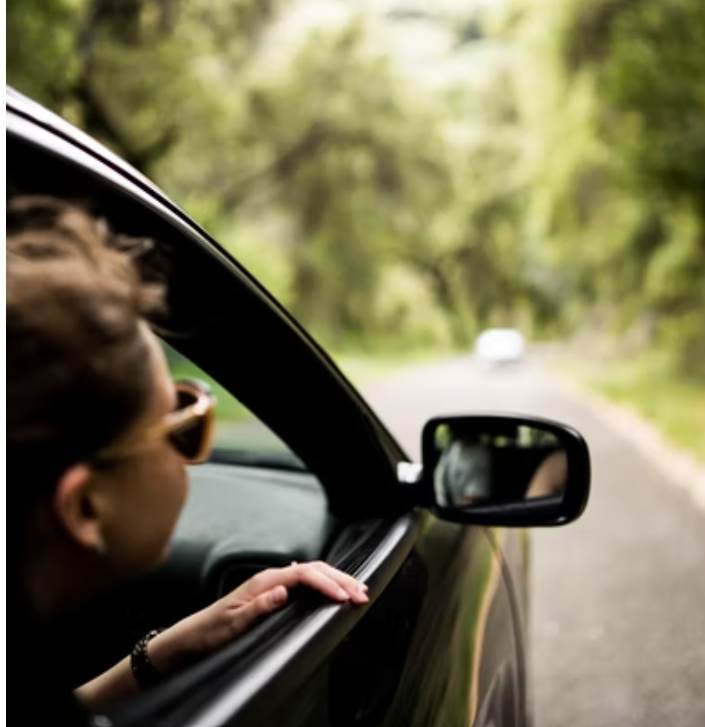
(505, 462)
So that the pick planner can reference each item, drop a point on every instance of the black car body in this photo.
(443, 640)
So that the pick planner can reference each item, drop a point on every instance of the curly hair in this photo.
(77, 362)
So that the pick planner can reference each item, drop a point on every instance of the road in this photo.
(618, 620)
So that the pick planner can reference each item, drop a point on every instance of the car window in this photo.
(240, 437)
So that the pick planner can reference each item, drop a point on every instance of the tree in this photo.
(618, 184)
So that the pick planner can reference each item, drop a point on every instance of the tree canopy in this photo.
(559, 175)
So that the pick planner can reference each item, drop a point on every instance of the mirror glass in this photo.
(490, 461)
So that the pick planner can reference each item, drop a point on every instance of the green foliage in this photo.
(565, 176)
(617, 203)
(41, 42)
(650, 83)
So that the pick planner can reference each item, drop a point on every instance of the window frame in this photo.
(279, 456)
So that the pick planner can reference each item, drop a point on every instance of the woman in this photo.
(97, 440)
(463, 474)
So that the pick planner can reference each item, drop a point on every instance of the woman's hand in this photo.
(234, 614)
(220, 623)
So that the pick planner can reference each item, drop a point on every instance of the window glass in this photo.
(240, 437)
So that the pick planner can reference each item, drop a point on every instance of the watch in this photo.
(146, 674)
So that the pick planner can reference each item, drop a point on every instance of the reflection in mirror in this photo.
(495, 461)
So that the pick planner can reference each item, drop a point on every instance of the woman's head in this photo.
(84, 371)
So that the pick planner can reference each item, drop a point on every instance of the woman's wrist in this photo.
(162, 653)
(171, 649)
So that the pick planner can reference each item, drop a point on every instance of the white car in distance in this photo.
(496, 346)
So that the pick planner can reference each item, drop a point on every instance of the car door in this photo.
(440, 641)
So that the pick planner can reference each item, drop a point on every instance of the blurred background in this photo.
(405, 175)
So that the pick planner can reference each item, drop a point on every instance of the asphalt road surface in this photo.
(618, 612)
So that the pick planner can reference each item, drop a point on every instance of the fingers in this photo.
(317, 575)
(324, 582)
(356, 591)
(244, 617)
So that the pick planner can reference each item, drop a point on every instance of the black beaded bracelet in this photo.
(146, 674)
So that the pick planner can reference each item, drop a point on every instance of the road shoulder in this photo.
(677, 465)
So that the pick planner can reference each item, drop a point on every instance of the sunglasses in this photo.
(189, 428)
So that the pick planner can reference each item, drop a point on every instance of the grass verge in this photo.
(649, 386)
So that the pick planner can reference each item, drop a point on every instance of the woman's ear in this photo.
(75, 508)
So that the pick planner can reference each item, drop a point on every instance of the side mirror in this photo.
(501, 470)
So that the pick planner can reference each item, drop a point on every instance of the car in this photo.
(305, 470)
(496, 346)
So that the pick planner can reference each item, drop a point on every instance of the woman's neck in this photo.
(54, 575)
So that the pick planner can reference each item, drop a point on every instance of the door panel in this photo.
(464, 636)
(513, 547)
(372, 658)
(436, 648)
(500, 702)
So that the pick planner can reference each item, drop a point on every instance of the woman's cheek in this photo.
(162, 497)
(173, 498)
